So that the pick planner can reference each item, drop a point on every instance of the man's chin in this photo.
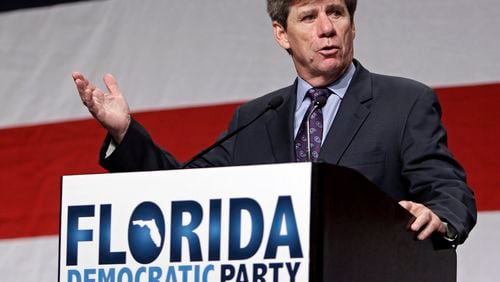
(331, 69)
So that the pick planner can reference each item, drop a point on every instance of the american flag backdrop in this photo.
(185, 65)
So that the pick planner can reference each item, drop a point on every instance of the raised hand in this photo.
(110, 109)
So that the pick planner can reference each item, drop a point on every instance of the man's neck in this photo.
(339, 86)
(325, 79)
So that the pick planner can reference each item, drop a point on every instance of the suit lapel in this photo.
(352, 113)
(280, 126)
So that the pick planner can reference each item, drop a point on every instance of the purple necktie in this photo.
(315, 128)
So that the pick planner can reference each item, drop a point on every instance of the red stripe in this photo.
(34, 158)
(473, 124)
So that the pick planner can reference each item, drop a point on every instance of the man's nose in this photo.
(325, 26)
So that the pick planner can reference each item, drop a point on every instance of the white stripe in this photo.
(169, 54)
(445, 42)
(478, 258)
(29, 259)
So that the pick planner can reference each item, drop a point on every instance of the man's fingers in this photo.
(405, 204)
(426, 222)
(76, 75)
(86, 89)
(435, 224)
(421, 220)
(93, 104)
(412, 207)
(111, 84)
(82, 84)
(425, 233)
(87, 97)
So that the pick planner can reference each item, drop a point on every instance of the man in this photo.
(387, 128)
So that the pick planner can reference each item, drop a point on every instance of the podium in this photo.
(359, 233)
(283, 222)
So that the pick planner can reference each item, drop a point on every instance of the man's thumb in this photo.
(111, 84)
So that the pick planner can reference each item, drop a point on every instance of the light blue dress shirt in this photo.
(338, 88)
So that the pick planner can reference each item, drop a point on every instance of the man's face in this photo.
(320, 35)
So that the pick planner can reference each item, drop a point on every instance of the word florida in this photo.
(147, 232)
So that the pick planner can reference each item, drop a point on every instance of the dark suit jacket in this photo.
(387, 128)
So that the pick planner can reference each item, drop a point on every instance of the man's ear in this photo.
(281, 35)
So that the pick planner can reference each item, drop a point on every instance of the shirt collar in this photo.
(338, 87)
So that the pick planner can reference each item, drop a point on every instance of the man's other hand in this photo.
(110, 109)
(426, 222)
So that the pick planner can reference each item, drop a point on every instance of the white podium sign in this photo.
(248, 223)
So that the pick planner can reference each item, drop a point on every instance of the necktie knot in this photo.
(315, 93)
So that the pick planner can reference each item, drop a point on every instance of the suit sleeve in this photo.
(138, 152)
(435, 178)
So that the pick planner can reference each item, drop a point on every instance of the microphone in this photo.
(273, 104)
(318, 104)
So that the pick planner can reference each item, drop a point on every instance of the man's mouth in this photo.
(328, 50)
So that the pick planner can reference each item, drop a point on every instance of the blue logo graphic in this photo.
(146, 232)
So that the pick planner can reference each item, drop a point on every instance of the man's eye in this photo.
(336, 13)
(307, 18)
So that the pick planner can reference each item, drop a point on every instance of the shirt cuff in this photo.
(111, 148)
